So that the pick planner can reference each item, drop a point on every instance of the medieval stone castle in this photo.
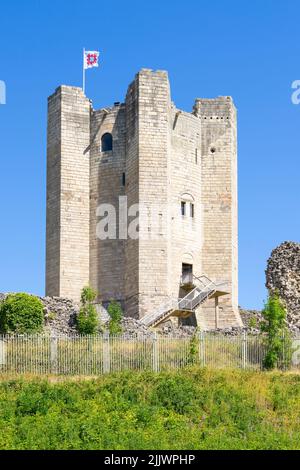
(179, 166)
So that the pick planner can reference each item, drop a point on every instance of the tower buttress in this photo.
(68, 140)
(219, 202)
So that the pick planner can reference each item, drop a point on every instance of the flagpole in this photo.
(83, 72)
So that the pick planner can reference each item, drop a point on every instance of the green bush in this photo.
(188, 409)
(278, 340)
(87, 319)
(115, 312)
(253, 322)
(175, 393)
(21, 313)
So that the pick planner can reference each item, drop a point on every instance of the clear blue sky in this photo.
(250, 50)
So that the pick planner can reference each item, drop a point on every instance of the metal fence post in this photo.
(155, 353)
(244, 350)
(201, 349)
(106, 353)
(2, 351)
(53, 355)
(65, 354)
(284, 365)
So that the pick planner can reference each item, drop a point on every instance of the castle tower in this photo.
(147, 171)
(176, 170)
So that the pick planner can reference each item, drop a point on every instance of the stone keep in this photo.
(180, 167)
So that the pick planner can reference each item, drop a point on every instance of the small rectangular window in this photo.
(192, 210)
(123, 179)
(183, 206)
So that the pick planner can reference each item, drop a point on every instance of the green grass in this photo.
(190, 409)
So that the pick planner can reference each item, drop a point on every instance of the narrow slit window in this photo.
(123, 179)
(183, 207)
(192, 210)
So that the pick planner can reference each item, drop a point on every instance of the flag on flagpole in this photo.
(91, 59)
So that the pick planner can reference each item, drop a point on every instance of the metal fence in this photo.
(95, 355)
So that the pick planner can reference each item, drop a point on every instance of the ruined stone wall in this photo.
(283, 276)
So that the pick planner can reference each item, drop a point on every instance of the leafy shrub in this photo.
(115, 312)
(278, 341)
(253, 322)
(21, 313)
(87, 319)
(189, 409)
(176, 394)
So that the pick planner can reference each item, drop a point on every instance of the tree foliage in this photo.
(115, 312)
(87, 318)
(21, 313)
(278, 341)
(194, 347)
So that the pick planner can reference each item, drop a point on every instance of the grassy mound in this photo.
(190, 409)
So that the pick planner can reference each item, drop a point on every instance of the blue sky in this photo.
(250, 50)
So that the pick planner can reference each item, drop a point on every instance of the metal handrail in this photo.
(187, 303)
(163, 309)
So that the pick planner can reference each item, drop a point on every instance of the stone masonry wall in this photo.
(107, 257)
(186, 236)
(154, 172)
(131, 281)
(219, 204)
(53, 195)
(68, 197)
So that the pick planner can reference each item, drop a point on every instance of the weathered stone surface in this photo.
(60, 315)
(68, 193)
(251, 320)
(283, 275)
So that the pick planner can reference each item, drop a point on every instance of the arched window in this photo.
(187, 199)
(106, 142)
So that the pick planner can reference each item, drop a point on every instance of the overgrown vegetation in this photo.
(21, 313)
(87, 319)
(194, 347)
(278, 339)
(191, 409)
(253, 322)
(115, 312)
